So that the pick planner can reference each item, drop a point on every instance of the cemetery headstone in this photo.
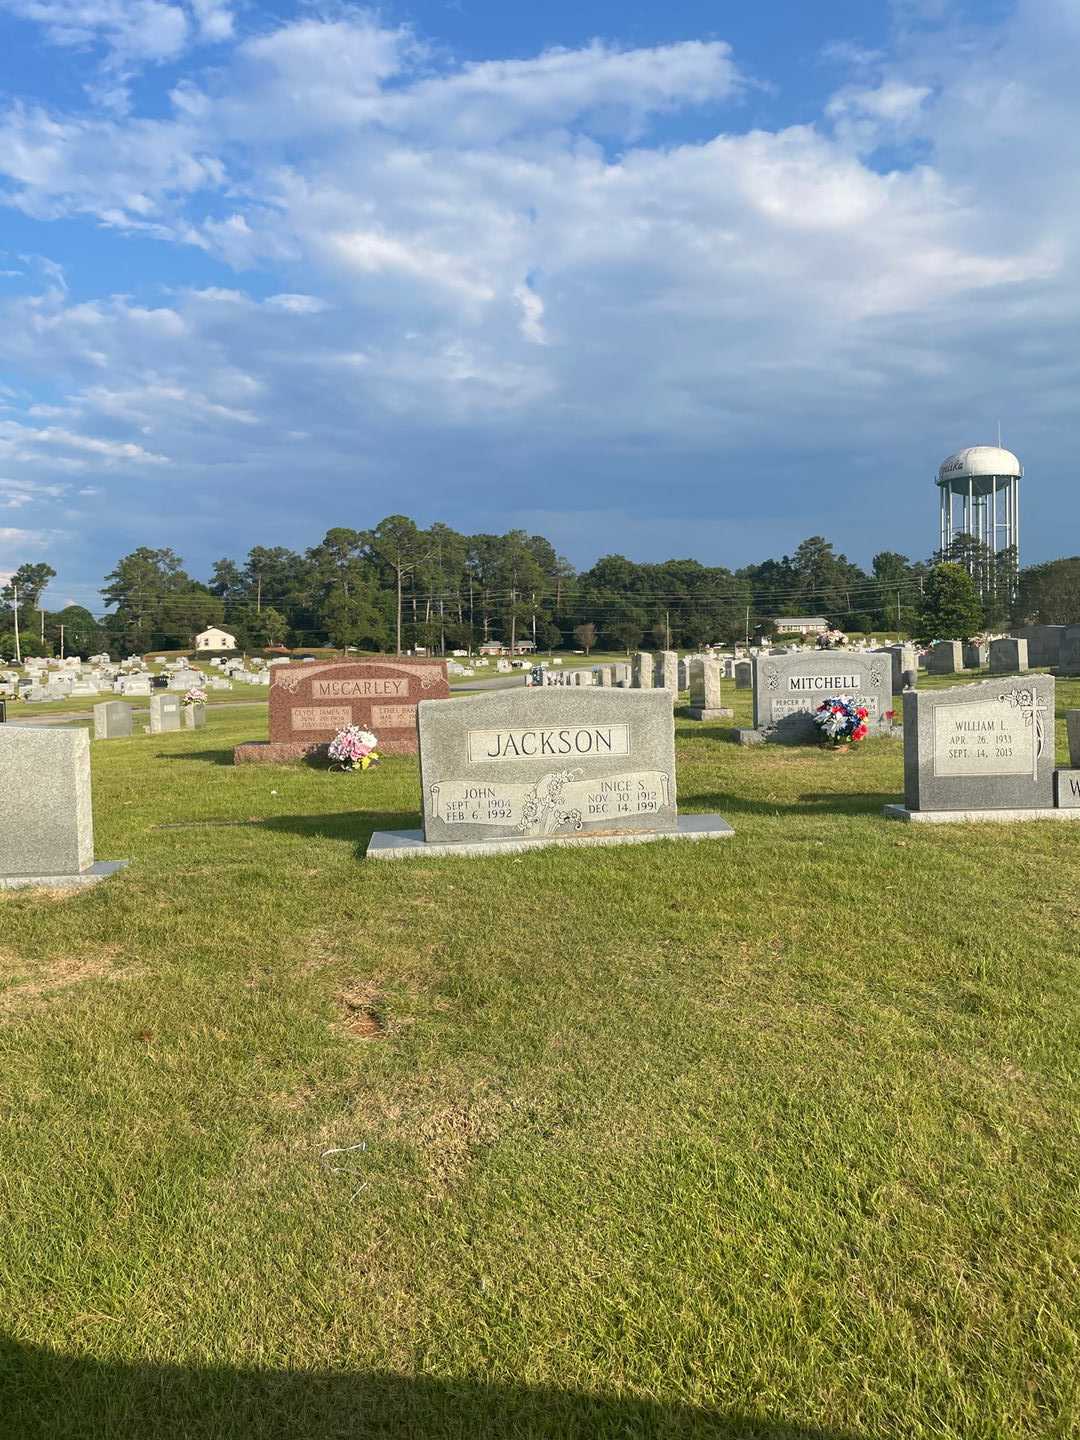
(1069, 652)
(1043, 642)
(622, 675)
(789, 688)
(704, 685)
(309, 704)
(666, 672)
(945, 658)
(1008, 656)
(515, 769)
(112, 720)
(643, 671)
(52, 842)
(194, 716)
(744, 674)
(976, 655)
(903, 658)
(980, 752)
(164, 713)
(3, 712)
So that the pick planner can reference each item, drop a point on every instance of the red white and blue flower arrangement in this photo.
(840, 720)
(353, 749)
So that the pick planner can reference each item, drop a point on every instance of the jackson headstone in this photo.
(515, 769)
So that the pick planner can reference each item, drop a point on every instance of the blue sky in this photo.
(682, 280)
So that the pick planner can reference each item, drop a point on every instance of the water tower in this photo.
(985, 480)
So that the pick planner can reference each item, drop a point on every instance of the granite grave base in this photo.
(975, 817)
(286, 752)
(410, 844)
(697, 712)
(93, 875)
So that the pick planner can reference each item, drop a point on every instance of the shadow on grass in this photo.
(356, 826)
(208, 757)
(833, 802)
(67, 1397)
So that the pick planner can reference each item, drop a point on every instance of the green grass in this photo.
(772, 1137)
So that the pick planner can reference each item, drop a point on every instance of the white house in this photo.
(215, 639)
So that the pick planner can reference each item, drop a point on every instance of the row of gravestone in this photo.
(115, 720)
(521, 768)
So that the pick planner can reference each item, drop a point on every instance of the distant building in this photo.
(215, 639)
(800, 624)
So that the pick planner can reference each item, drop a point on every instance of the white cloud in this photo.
(464, 265)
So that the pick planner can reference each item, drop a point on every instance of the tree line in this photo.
(398, 586)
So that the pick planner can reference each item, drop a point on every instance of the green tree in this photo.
(1049, 594)
(950, 607)
(137, 589)
(400, 547)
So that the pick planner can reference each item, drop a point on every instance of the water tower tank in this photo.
(983, 484)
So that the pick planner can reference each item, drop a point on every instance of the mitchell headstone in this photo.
(48, 837)
(309, 704)
(704, 686)
(981, 751)
(516, 769)
(945, 658)
(1008, 657)
(164, 713)
(789, 688)
(112, 720)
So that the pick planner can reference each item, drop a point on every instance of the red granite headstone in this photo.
(309, 704)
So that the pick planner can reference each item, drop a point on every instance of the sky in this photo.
(692, 280)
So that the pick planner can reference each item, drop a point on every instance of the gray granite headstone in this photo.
(1072, 729)
(987, 746)
(164, 713)
(744, 674)
(704, 686)
(1043, 642)
(789, 688)
(3, 712)
(666, 672)
(48, 828)
(945, 658)
(194, 716)
(1069, 657)
(1008, 656)
(976, 655)
(524, 764)
(684, 675)
(112, 720)
(903, 657)
(643, 671)
(622, 675)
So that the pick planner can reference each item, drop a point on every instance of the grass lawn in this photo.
(775, 1137)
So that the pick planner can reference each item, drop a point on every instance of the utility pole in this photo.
(41, 612)
(667, 629)
(61, 642)
(898, 614)
(15, 603)
(748, 627)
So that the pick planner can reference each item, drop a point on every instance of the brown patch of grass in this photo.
(365, 1011)
(61, 972)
